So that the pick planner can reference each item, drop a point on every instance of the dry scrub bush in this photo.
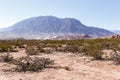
(32, 64)
(6, 57)
(94, 51)
(67, 68)
(45, 49)
(116, 58)
(72, 48)
(32, 51)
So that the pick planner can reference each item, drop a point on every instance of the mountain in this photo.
(116, 31)
(50, 26)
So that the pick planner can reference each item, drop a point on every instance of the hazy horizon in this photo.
(103, 14)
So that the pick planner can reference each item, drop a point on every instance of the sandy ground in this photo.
(81, 68)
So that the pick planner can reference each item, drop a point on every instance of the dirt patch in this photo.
(81, 68)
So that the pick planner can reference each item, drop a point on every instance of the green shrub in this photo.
(94, 51)
(32, 64)
(6, 48)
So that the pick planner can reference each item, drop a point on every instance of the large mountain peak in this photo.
(50, 25)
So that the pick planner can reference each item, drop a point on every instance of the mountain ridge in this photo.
(116, 31)
(42, 25)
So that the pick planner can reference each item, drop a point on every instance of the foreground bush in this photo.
(116, 58)
(94, 51)
(6, 57)
(32, 64)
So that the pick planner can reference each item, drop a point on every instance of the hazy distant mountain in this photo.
(116, 31)
(47, 26)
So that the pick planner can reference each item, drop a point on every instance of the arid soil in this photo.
(67, 66)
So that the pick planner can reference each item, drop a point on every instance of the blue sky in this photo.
(99, 13)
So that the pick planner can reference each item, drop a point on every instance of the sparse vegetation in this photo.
(67, 68)
(91, 47)
(95, 51)
(7, 48)
(32, 51)
(6, 57)
(116, 58)
(72, 48)
(32, 64)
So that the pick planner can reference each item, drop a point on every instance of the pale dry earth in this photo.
(81, 68)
